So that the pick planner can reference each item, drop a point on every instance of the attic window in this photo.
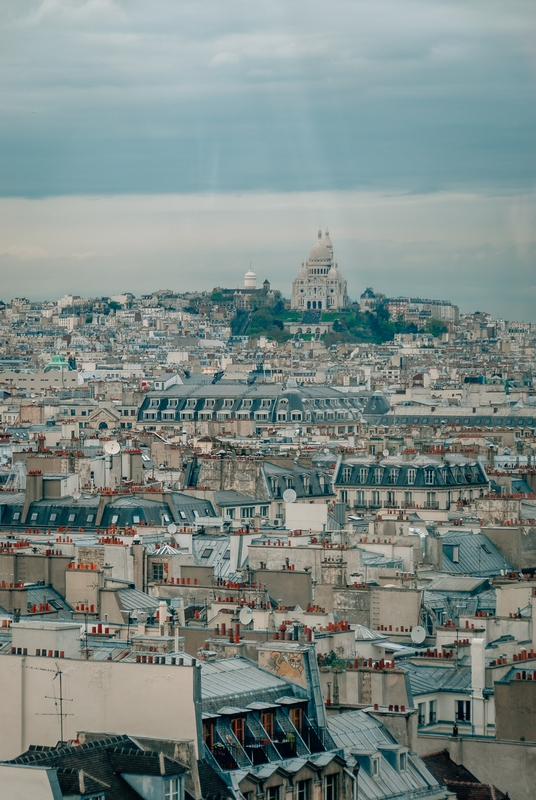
(70, 518)
(115, 518)
(136, 520)
(90, 518)
(403, 762)
(16, 515)
(207, 552)
(34, 516)
(53, 517)
(182, 515)
(486, 549)
(172, 789)
(227, 555)
(374, 767)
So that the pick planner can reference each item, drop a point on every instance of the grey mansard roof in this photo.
(237, 400)
(395, 472)
(499, 416)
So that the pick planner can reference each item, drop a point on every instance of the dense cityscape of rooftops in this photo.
(258, 547)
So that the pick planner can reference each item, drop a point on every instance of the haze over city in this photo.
(173, 145)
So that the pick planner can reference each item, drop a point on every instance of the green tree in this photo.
(435, 327)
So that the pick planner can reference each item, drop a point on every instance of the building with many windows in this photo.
(422, 482)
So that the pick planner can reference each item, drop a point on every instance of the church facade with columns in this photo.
(319, 285)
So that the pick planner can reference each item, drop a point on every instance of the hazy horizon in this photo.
(174, 145)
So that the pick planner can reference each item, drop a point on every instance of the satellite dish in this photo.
(385, 453)
(112, 448)
(289, 495)
(245, 616)
(172, 528)
(418, 635)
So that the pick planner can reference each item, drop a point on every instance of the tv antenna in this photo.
(58, 701)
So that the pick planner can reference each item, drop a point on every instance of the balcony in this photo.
(257, 751)
(432, 504)
(313, 738)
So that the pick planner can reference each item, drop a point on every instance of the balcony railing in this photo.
(257, 751)
(313, 738)
(432, 504)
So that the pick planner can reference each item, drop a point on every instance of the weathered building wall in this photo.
(510, 766)
(102, 695)
(242, 475)
(290, 586)
(517, 544)
(515, 710)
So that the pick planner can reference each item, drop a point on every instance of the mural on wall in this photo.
(287, 664)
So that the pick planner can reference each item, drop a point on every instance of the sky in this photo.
(174, 145)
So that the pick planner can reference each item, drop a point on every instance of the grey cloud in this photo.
(132, 97)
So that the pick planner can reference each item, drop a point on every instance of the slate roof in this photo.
(357, 730)
(133, 599)
(427, 679)
(447, 583)
(97, 765)
(213, 786)
(229, 497)
(211, 551)
(123, 511)
(46, 594)
(461, 602)
(238, 682)
(477, 555)
(458, 779)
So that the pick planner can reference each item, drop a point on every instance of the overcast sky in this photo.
(166, 144)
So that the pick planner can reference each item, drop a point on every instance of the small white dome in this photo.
(250, 280)
(334, 272)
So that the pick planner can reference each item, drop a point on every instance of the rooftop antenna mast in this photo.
(58, 701)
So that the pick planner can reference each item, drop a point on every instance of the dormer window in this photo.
(411, 476)
(172, 788)
(363, 473)
(378, 475)
(346, 473)
(429, 477)
(374, 767)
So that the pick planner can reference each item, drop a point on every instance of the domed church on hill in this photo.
(319, 284)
